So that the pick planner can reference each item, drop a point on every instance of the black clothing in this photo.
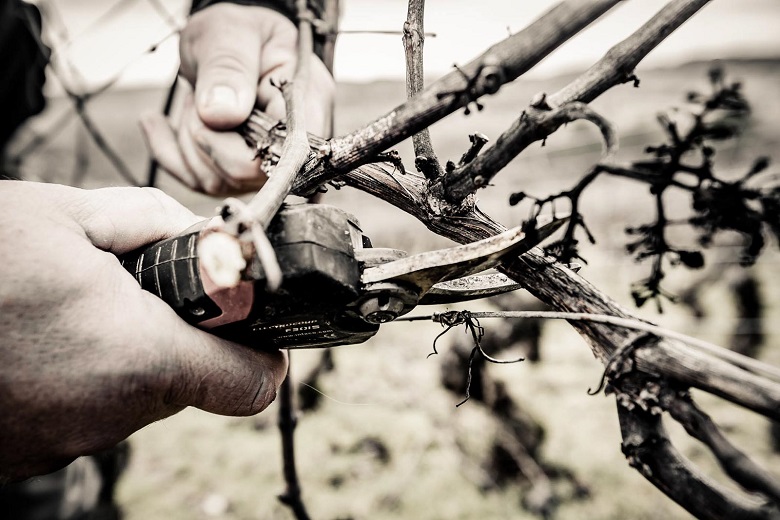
(23, 59)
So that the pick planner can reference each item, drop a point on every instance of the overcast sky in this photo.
(101, 48)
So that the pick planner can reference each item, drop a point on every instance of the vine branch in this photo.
(287, 423)
(669, 362)
(295, 150)
(414, 40)
(542, 120)
(734, 462)
(542, 117)
(500, 64)
(649, 450)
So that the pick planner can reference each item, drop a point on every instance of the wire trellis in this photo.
(56, 35)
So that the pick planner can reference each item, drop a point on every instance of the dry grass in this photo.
(196, 465)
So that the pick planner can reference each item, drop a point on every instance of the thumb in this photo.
(220, 57)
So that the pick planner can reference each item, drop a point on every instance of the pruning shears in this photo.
(337, 289)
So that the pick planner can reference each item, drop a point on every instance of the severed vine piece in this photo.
(655, 374)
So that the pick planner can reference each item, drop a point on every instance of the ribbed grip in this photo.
(169, 269)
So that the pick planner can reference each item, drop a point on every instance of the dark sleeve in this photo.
(286, 7)
(23, 59)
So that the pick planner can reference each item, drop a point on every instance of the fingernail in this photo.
(221, 96)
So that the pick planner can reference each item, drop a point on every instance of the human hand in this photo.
(230, 54)
(86, 356)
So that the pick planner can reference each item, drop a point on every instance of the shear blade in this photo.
(426, 269)
(469, 288)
